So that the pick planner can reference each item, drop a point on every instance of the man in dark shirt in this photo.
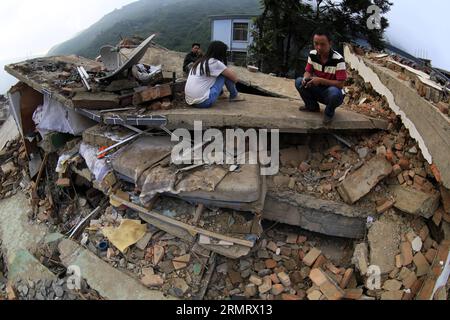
(192, 57)
(324, 78)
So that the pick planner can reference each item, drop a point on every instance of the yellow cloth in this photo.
(129, 233)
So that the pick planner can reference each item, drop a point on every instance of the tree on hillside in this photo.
(284, 29)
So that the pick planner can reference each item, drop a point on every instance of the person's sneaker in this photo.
(305, 109)
(237, 98)
(327, 120)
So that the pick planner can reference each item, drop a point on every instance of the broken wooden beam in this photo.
(189, 228)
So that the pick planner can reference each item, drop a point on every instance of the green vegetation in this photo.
(178, 24)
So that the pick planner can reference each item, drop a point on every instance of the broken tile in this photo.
(181, 262)
(422, 265)
(142, 244)
(158, 254)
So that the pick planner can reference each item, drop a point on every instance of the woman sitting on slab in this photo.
(208, 76)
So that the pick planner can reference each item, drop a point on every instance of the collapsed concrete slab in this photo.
(413, 201)
(362, 181)
(172, 61)
(317, 215)
(108, 281)
(20, 240)
(426, 124)
(384, 240)
(267, 113)
(255, 112)
(146, 164)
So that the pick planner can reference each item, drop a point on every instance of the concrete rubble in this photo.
(356, 212)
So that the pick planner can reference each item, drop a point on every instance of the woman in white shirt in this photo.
(208, 76)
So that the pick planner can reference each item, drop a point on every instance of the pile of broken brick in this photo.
(201, 232)
(13, 173)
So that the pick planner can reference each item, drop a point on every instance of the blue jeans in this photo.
(216, 91)
(332, 97)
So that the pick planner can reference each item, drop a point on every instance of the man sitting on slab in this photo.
(324, 78)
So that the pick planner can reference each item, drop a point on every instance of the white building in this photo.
(235, 32)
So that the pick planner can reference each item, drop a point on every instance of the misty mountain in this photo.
(178, 23)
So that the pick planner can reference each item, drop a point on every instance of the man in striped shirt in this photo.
(324, 78)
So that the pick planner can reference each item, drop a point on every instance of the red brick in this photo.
(346, 278)
(390, 155)
(320, 262)
(311, 257)
(404, 163)
(318, 277)
(437, 217)
(274, 278)
(353, 294)
(270, 263)
(385, 207)
(397, 169)
(422, 265)
(427, 289)
(406, 253)
(290, 297)
(400, 178)
(430, 255)
(445, 196)
(277, 289)
(418, 180)
(301, 239)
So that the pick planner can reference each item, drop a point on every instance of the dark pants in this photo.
(332, 97)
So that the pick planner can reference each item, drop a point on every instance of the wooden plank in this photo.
(198, 213)
(183, 225)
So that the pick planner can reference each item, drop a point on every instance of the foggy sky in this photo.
(29, 27)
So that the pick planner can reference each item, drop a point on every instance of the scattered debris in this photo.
(201, 231)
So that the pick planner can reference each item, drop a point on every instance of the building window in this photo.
(240, 32)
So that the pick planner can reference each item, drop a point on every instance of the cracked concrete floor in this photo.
(19, 239)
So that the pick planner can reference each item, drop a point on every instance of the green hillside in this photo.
(178, 23)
